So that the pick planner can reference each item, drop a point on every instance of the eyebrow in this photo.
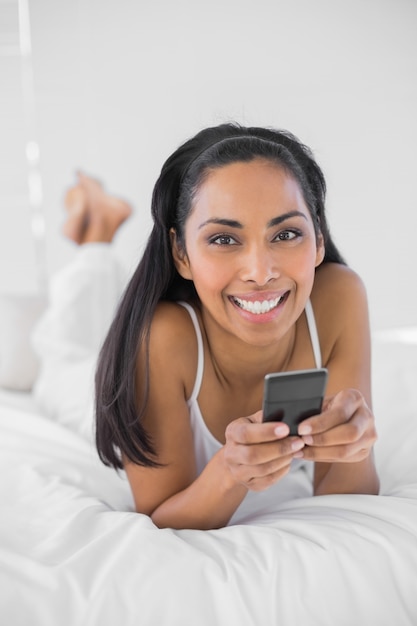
(235, 224)
(286, 216)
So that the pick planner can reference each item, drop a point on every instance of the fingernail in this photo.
(297, 445)
(304, 429)
(298, 455)
(308, 440)
(280, 430)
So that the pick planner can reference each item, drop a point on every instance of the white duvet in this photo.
(73, 553)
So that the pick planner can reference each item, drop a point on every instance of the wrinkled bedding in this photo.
(73, 552)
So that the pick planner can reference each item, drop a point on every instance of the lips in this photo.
(259, 307)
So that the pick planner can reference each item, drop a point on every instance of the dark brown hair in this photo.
(118, 418)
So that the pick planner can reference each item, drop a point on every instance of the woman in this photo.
(239, 249)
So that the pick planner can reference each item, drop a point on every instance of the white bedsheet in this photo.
(73, 553)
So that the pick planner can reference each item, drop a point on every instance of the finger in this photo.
(281, 429)
(256, 418)
(263, 483)
(344, 434)
(338, 410)
(350, 453)
(348, 442)
(253, 460)
(246, 431)
(263, 476)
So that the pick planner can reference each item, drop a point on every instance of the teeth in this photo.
(258, 307)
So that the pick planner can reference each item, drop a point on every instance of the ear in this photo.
(180, 256)
(320, 250)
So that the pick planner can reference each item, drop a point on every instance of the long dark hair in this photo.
(118, 417)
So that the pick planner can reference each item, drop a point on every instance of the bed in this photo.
(73, 552)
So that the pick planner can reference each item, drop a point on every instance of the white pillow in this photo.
(394, 383)
(18, 362)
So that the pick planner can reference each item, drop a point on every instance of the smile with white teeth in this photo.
(258, 306)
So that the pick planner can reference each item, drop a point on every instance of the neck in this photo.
(238, 363)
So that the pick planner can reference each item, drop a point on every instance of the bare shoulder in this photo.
(337, 290)
(340, 307)
(173, 342)
(334, 281)
(173, 327)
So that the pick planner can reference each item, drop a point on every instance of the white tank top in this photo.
(296, 484)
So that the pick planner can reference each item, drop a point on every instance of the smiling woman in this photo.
(265, 251)
(239, 252)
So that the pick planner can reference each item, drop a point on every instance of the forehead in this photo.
(259, 183)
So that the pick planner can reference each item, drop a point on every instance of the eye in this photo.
(287, 235)
(223, 240)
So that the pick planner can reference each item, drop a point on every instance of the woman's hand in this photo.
(258, 453)
(343, 433)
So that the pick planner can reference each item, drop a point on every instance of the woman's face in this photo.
(251, 250)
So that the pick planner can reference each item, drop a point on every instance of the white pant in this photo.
(68, 337)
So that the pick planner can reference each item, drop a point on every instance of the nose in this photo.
(259, 265)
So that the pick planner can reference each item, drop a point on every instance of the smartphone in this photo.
(291, 397)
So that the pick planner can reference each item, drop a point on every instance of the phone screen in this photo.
(291, 397)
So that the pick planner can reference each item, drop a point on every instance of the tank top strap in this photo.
(314, 336)
(200, 350)
(312, 327)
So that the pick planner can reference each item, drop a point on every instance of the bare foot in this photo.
(75, 202)
(105, 212)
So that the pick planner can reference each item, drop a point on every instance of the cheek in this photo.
(303, 261)
(303, 272)
(207, 274)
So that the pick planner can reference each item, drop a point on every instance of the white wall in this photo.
(120, 83)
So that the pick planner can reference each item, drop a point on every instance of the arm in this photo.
(341, 438)
(254, 456)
